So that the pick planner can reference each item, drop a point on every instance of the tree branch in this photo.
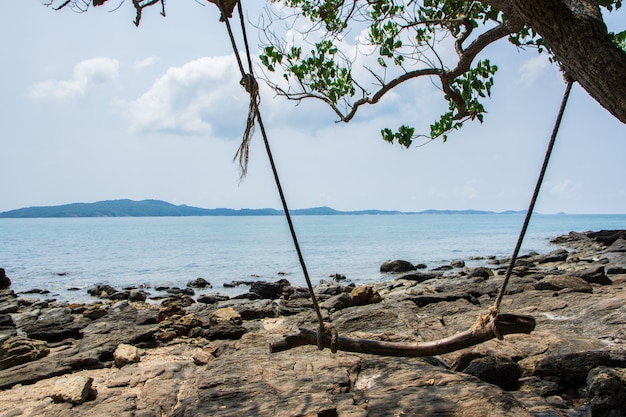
(502, 324)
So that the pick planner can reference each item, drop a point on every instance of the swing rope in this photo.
(496, 306)
(488, 326)
(248, 81)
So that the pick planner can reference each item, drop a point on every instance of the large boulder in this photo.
(269, 290)
(397, 265)
(199, 283)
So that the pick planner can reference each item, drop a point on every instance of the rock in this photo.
(180, 324)
(618, 246)
(102, 291)
(594, 275)
(269, 290)
(181, 291)
(199, 283)
(500, 371)
(211, 298)
(170, 311)
(337, 277)
(337, 302)
(294, 306)
(247, 296)
(55, 325)
(94, 312)
(5, 282)
(181, 300)
(8, 302)
(559, 255)
(571, 369)
(615, 270)
(146, 316)
(72, 389)
(224, 331)
(202, 357)
(396, 266)
(365, 294)
(328, 288)
(18, 350)
(137, 295)
(125, 354)
(458, 264)
(443, 268)
(481, 271)
(606, 390)
(120, 295)
(420, 276)
(6, 321)
(560, 282)
(234, 284)
(227, 314)
(256, 309)
(291, 292)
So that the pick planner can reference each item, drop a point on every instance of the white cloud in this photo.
(145, 63)
(203, 96)
(86, 74)
(534, 69)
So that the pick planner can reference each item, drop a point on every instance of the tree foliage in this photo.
(410, 40)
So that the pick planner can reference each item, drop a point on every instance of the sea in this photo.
(66, 256)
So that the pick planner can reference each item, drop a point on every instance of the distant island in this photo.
(158, 208)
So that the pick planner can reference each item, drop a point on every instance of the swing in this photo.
(488, 326)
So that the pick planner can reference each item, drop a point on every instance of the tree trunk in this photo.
(577, 35)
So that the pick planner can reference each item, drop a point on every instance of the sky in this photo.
(94, 109)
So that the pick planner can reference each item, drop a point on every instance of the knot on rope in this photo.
(330, 330)
(249, 83)
(484, 320)
(226, 8)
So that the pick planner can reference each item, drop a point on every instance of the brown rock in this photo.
(226, 314)
(72, 389)
(560, 282)
(126, 354)
(365, 294)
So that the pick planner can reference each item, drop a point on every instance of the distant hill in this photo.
(157, 208)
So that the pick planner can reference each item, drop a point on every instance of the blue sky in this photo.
(94, 108)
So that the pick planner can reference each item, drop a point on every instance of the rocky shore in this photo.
(209, 355)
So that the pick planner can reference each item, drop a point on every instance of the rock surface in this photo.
(212, 359)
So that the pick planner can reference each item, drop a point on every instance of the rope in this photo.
(496, 306)
(249, 82)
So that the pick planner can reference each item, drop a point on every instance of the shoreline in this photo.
(187, 357)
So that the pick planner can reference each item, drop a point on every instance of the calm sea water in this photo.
(60, 253)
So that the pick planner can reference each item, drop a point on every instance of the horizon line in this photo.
(356, 211)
